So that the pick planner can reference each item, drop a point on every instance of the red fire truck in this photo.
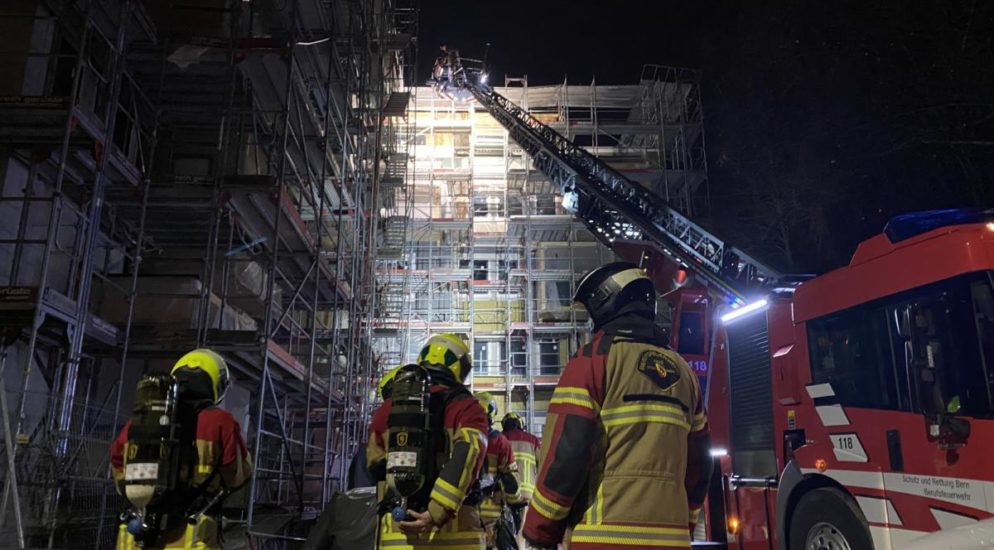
(850, 411)
(856, 409)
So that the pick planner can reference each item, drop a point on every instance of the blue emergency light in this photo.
(905, 226)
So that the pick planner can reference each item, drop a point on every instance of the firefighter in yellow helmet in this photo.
(448, 355)
(217, 463)
(444, 513)
(359, 474)
(525, 447)
(499, 480)
(385, 387)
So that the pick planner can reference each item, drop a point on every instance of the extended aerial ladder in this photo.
(615, 208)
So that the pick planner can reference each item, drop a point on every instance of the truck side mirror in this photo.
(950, 432)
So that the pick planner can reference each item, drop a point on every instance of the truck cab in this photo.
(854, 410)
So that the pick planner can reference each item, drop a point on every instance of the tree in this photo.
(825, 119)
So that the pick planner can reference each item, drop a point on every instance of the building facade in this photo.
(479, 243)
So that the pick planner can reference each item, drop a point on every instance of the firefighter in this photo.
(444, 70)
(625, 457)
(222, 459)
(451, 59)
(453, 66)
(439, 74)
(500, 483)
(448, 521)
(385, 386)
(359, 474)
(525, 447)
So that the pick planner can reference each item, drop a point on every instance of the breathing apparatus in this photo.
(411, 440)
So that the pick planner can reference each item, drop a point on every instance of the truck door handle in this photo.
(894, 451)
(736, 481)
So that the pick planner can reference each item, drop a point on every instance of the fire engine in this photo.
(849, 411)
(852, 411)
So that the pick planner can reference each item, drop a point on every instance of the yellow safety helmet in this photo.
(512, 421)
(210, 363)
(447, 351)
(385, 387)
(489, 404)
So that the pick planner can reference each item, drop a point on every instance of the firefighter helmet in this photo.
(511, 421)
(616, 288)
(385, 387)
(489, 404)
(208, 362)
(447, 351)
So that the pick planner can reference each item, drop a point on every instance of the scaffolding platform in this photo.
(21, 307)
(41, 122)
(253, 198)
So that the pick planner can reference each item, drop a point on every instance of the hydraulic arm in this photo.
(615, 208)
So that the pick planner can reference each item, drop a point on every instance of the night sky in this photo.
(823, 119)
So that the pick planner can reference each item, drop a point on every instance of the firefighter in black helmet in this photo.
(615, 290)
(626, 392)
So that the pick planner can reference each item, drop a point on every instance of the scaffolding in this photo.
(77, 127)
(493, 254)
(179, 177)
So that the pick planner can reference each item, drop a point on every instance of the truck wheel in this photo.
(827, 519)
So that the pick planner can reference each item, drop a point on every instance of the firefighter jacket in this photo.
(625, 455)
(222, 462)
(525, 447)
(501, 466)
(466, 427)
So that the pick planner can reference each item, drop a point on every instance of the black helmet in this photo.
(614, 289)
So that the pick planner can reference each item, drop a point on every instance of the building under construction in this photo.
(479, 243)
(271, 180)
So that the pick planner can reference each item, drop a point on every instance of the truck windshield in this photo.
(982, 298)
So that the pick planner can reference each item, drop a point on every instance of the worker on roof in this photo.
(447, 519)
(217, 464)
(625, 458)
(525, 447)
(499, 479)
(438, 73)
(438, 69)
(447, 67)
(452, 60)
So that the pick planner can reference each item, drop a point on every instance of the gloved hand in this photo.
(535, 546)
(695, 514)
(420, 522)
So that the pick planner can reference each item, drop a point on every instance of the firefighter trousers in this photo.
(125, 541)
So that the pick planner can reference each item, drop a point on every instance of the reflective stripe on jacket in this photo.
(500, 461)
(525, 447)
(626, 415)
